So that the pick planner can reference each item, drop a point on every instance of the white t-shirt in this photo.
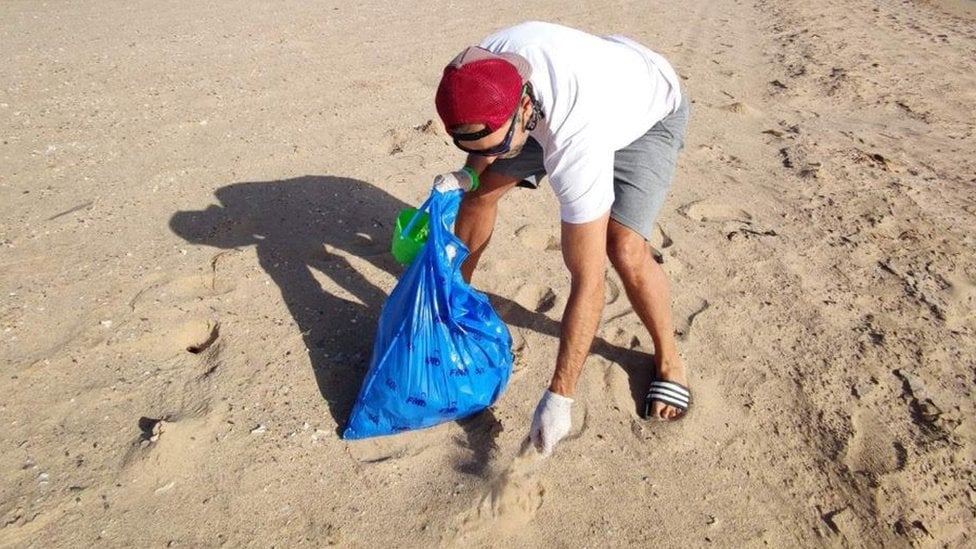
(598, 95)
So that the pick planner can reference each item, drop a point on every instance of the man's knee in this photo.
(626, 249)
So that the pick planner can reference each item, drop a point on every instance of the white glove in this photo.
(459, 180)
(551, 422)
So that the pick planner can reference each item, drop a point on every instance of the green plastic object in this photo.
(410, 234)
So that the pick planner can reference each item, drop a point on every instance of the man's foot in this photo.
(669, 370)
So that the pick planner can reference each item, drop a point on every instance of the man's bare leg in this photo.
(647, 288)
(476, 218)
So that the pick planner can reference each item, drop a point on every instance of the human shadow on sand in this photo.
(329, 224)
(301, 228)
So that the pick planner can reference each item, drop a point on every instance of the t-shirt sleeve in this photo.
(582, 178)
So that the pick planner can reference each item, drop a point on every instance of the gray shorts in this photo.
(642, 171)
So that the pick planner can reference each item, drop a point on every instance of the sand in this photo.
(197, 201)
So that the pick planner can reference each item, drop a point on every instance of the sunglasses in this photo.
(498, 149)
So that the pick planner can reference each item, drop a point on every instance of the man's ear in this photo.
(530, 114)
(526, 108)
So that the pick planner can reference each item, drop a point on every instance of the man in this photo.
(604, 118)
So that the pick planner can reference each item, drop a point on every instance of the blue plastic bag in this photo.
(441, 351)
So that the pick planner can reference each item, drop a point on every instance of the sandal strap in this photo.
(670, 393)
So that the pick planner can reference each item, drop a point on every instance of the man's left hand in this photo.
(454, 181)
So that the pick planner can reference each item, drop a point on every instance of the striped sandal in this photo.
(670, 393)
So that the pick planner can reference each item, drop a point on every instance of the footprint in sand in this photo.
(518, 340)
(622, 338)
(659, 235)
(196, 336)
(660, 240)
(682, 328)
(961, 309)
(715, 213)
(187, 288)
(534, 297)
(741, 108)
(872, 447)
(537, 238)
(201, 338)
(164, 456)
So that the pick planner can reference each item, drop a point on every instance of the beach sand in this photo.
(197, 201)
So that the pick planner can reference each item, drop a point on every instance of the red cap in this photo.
(481, 87)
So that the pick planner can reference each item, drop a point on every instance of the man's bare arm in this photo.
(585, 254)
